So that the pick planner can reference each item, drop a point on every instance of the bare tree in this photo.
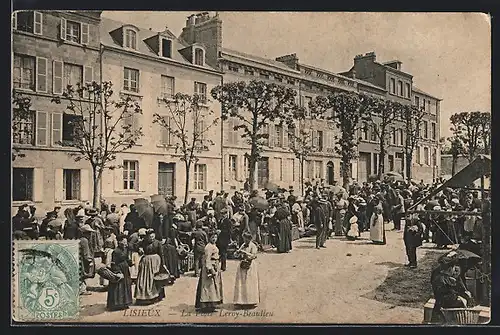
(102, 127)
(412, 118)
(485, 128)
(255, 105)
(188, 122)
(467, 126)
(302, 147)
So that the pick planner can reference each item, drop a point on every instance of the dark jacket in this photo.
(413, 238)
(200, 240)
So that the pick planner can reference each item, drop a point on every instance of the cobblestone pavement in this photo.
(303, 286)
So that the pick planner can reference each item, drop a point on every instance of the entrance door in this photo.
(166, 178)
(330, 173)
(262, 172)
(363, 166)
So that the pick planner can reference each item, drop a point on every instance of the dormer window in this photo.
(199, 57)
(28, 21)
(130, 39)
(166, 48)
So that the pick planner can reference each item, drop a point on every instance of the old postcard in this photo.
(251, 167)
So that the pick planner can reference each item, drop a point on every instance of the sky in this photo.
(448, 54)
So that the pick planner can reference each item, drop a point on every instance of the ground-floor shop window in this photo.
(22, 188)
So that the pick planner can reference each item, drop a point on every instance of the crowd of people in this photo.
(139, 249)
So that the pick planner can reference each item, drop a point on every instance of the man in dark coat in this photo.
(218, 204)
(318, 218)
(191, 209)
(200, 241)
(224, 237)
(412, 238)
(86, 258)
(135, 221)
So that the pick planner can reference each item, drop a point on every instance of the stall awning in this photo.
(479, 167)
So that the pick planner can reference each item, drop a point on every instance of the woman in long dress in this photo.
(284, 228)
(110, 243)
(171, 257)
(246, 288)
(152, 262)
(377, 231)
(120, 293)
(209, 290)
(340, 211)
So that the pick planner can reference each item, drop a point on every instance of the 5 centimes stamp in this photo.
(46, 280)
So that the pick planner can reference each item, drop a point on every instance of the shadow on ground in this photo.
(186, 309)
(91, 310)
(406, 287)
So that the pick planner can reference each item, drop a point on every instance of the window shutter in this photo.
(38, 184)
(59, 185)
(56, 128)
(165, 133)
(38, 23)
(57, 77)
(271, 133)
(315, 138)
(118, 178)
(62, 29)
(84, 184)
(226, 167)
(41, 128)
(14, 20)
(88, 74)
(85, 33)
(41, 74)
(284, 133)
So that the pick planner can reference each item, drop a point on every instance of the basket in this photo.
(106, 273)
(461, 316)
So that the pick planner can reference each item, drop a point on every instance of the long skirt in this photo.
(209, 291)
(146, 291)
(285, 236)
(120, 293)
(134, 269)
(171, 260)
(339, 220)
(246, 288)
(107, 261)
(377, 231)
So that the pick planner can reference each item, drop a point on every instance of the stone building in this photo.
(395, 84)
(50, 50)
(151, 66)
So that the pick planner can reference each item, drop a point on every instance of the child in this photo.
(353, 232)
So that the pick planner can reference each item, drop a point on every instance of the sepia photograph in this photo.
(250, 167)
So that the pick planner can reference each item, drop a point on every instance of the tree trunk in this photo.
(253, 165)
(381, 161)
(186, 187)
(96, 192)
(346, 173)
(302, 176)
(454, 159)
(408, 159)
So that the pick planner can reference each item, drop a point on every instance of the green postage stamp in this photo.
(46, 280)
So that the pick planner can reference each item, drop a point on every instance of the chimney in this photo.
(395, 64)
(369, 56)
(289, 60)
(190, 20)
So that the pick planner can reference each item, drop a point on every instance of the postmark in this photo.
(46, 280)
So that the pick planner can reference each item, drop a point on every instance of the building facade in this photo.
(151, 67)
(395, 84)
(51, 49)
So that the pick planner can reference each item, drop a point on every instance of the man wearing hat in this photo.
(218, 204)
(297, 215)
(318, 218)
(200, 241)
(192, 209)
(44, 227)
(87, 266)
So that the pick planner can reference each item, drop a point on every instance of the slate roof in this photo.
(417, 90)
(238, 56)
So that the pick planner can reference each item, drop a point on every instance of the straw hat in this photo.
(142, 232)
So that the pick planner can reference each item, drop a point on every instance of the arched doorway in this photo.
(330, 173)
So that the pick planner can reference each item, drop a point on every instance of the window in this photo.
(392, 86)
(373, 133)
(428, 106)
(73, 75)
(433, 131)
(198, 56)
(23, 129)
(248, 72)
(401, 137)
(320, 140)
(418, 156)
(233, 68)
(265, 130)
(201, 90)
(318, 169)
(166, 138)
(437, 107)
(307, 102)
(200, 177)
(24, 72)
(130, 175)
(426, 156)
(264, 75)
(278, 132)
(246, 164)
(70, 124)
(279, 167)
(233, 159)
(291, 164)
(291, 82)
(426, 130)
(73, 31)
(200, 131)
(166, 48)
(375, 163)
(423, 104)
(307, 72)
(400, 88)
(434, 157)
(393, 135)
(417, 101)
(28, 21)
(167, 87)
(71, 184)
(130, 39)
(22, 184)
(291, 136)
(131, 80)
(408, 90)
(319, 75)
(364, 132)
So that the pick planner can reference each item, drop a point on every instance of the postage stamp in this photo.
(46, 280)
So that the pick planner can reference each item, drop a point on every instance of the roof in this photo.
(385, 66)
(238, 56)
(109, 25)
(479, 167)
(419, 91)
